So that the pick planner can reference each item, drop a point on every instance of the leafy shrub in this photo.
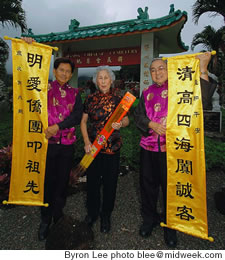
(214, 149)
(6, 128)
(5, 171)
(214, 153)
(130, 149)
(223, 120)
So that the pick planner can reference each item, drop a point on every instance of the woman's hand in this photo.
(116, 125)
(158, 128)
(87, 148)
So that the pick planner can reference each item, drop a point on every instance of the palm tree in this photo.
(213, 39)
(200, 7)
(4, 54)
(12, 13)
(210, 38)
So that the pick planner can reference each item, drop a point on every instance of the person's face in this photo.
(159, 72)
(63, 73)
(104, 81)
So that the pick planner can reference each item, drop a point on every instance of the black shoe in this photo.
(89, 220)
(43, 231)
(105, 224)
(146, 229)
(170, 237)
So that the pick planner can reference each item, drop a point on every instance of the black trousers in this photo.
(58, 167)
(103, 172)
(153, 174)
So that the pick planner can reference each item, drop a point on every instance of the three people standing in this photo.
(65, 110)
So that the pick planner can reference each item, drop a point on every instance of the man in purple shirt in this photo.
(150, 118)
(64, 112)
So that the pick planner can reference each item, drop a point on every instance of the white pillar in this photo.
(147, 54)
(57, 54)
(216, 101)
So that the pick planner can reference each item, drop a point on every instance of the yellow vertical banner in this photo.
(186, 175)
(31, 63)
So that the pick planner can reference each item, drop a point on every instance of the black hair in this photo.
(58, 61)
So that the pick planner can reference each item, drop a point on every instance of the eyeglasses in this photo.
(159, 69)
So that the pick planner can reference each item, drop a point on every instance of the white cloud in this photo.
(54, 16)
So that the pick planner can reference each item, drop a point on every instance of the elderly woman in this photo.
(153, 164)
(98, 108)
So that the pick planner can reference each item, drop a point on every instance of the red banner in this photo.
(112, 57)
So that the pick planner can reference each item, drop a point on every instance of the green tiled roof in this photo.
(142, 23)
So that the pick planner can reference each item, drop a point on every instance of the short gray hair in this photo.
(154, 59)
(100, 68)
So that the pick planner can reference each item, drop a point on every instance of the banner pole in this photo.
(196, 54)
(35, 43)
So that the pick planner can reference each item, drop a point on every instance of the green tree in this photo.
(130, 72)
(216, 7)
(212, 39)
(206, 37)
(4, 54)
(11, 13)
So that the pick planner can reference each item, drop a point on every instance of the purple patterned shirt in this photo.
(156, 105)
(61, 100)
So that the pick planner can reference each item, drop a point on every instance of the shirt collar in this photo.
(163, 85)
(99, 93)
(56, 83)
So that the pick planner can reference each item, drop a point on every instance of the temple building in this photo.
(128, 42)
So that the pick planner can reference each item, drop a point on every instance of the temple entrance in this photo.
(127, 79)
(130, 42)
(127, 70)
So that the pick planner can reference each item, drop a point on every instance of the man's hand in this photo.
(28, 39)
(204, 62)
(158, 128)
(51, 131)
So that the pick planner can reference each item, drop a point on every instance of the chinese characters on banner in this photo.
(113, 57)
(186, 180)
(31, 64)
